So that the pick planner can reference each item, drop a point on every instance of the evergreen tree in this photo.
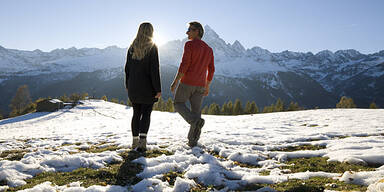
(64, 98)
(253, 109)
(346, 102)
(229, 108)
(20, 101)
(160, 105)
(269, 109)
(247, 109)
(1, 116)
(205, 110)
(223, 110)
(104, 97)
(293, 106)
(237, 108)
(84, 96)
(170, 106)
(373, 105)
(279, 106)
(214, 109)
(122, 102)
(75, 97)
(114, 100)
(129, 103)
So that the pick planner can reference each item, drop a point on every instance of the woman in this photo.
(142, 80)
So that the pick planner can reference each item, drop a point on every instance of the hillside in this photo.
(248, 152)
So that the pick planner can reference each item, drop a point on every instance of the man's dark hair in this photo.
(197, 26)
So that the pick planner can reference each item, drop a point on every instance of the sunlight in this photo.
(158, 39)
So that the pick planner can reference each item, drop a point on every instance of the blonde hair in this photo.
(143, 41)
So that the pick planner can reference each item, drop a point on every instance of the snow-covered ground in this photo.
(349, 135)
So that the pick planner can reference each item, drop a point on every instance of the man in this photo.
(194, 82)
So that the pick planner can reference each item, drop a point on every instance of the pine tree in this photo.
(223, 109)
(170, 106)
(279, 106)
(114, 100)
(293, 106)
(104, 97)
(214, 109)
(122, 102)
(160, 105)
(205, 110)
(253, 109)
(75, 97)
(373, 105)
(269, 109)
(345, 102)
(20, 101)
(229, 108)
(247, 109)
(84, 96)
(237, 108)
(1, 116)
(64, 98)
(129, 103)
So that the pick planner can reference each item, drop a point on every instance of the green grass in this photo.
(314, 184)
(320, 164)
(98, 149)
(300, 148)
(171, 176)
(13, 155)
(265, 173)
(121, 173)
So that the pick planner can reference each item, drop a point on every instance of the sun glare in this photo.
(158, 39)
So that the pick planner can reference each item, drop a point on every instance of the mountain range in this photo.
(312, 80)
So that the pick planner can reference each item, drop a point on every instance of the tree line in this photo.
(22, 103)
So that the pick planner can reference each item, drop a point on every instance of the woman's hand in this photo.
(158, 95)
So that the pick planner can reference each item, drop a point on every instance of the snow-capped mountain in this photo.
(246, 73)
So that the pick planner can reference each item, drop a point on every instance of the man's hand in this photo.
(206, 92)
(207, 89)
(158, 95)
(173, 87)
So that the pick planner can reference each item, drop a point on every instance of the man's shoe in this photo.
(200, 124)
(135, 143)
(194, 132)
(142, 145)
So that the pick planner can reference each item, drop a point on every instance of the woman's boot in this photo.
(135, 142)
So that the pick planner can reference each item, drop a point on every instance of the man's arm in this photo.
(211, 71)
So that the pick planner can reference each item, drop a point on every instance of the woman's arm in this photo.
(127, 63)
(155, 72)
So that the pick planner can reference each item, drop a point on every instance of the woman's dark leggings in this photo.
(141, 119)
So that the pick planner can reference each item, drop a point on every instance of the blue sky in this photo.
(277, 25)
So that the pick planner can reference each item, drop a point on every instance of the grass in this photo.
(98, 149)
(171, 176)
(121, 173)
(320, 164)
(300, 148)
(314, 184)
(13, 155)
